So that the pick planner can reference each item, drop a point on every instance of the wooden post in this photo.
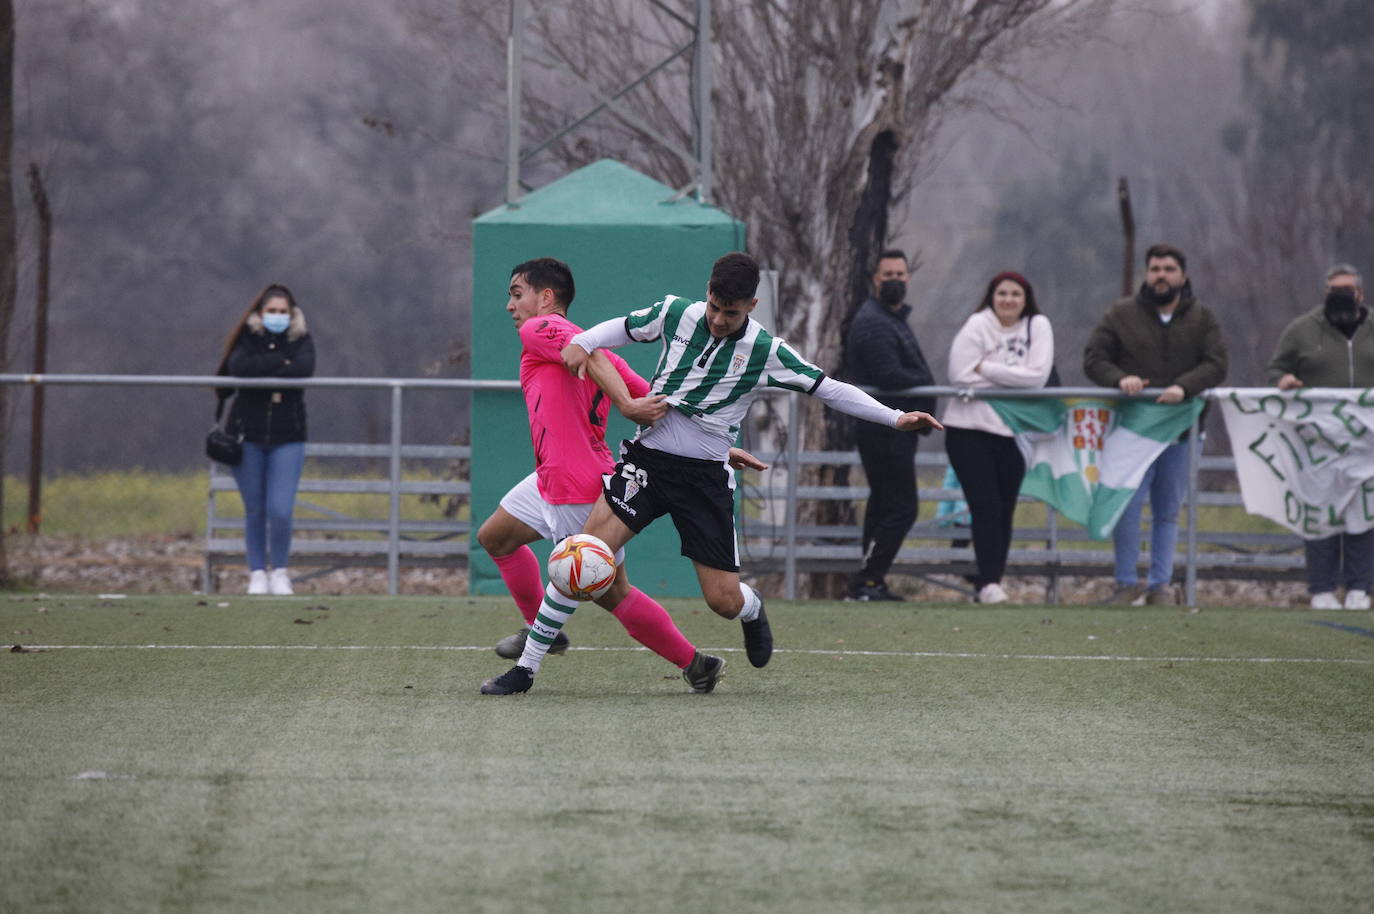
(1123, 194)
(40, 347)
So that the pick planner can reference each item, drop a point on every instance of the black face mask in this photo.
(1158, 299)
(892, 292)
(1341, 308)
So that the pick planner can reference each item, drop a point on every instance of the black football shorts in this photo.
(699, 495)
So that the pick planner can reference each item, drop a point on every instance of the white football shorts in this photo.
(553, 522)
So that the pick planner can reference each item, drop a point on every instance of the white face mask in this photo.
(276, 323)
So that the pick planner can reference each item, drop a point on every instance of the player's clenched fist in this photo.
(575, 360)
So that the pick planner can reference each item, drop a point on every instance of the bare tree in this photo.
(1302, 147)
(823, 115)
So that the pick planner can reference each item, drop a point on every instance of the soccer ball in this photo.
(582, 567)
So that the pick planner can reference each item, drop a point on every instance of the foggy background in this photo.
(194, 152)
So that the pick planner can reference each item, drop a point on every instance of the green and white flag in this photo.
(1304, 457)
(1086, 457)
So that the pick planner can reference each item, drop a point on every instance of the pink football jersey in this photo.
(567, 415)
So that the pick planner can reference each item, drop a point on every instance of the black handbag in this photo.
(220, 446)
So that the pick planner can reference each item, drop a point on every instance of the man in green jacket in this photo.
(1159, 337)
(1332, 346)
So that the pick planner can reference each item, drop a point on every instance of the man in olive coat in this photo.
(1159, 337)
(1332, 345)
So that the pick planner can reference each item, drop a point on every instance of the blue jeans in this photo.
(1165, 484)
(267, 480)
(1324, 562)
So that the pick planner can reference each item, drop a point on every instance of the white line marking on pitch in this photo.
(956, 655)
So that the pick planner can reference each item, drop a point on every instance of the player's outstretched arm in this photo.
(849, 399)
(740, 459)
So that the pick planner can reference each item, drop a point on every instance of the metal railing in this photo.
(793, 455)
(397, 386)
(419, 541)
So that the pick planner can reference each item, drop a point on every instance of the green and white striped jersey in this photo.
(714, 380)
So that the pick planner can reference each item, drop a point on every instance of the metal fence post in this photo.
(794, 436)
(515, 65)
(701, 98)
(393, 552)
(1190, 574)
(207, 573)
(1052, 522)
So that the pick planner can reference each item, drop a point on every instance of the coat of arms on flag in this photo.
(1086, 457)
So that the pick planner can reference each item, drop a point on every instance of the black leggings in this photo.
(990, 469)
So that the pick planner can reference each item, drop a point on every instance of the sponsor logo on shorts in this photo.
(622, 506)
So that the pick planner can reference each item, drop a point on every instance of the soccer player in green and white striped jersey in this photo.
(714, 360)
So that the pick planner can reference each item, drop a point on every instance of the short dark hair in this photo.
(547, 273)
(1031, 308)
(889, 254)
(1166, 250)
(734, 277)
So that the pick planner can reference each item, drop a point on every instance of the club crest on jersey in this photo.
(737, 363)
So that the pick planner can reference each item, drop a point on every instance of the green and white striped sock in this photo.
(548, 622)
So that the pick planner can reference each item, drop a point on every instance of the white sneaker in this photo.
(1357, 599)
(257, 582)
(281, 583)
(992, 593)
(1325, 600)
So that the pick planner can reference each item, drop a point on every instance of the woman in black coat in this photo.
(270, 340)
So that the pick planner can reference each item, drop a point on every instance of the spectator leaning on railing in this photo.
(1006, 342)
(1332, 345)
(1159, 337)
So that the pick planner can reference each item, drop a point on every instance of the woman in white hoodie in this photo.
(1007, 342)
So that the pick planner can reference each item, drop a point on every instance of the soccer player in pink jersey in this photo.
(568, 430)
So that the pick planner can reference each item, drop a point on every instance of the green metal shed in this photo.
(628, 245)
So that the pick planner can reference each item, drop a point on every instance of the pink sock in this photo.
(650, 625)
(520, 571)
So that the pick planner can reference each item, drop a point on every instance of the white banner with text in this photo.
(1305, 457)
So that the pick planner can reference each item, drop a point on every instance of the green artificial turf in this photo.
(202, 757)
